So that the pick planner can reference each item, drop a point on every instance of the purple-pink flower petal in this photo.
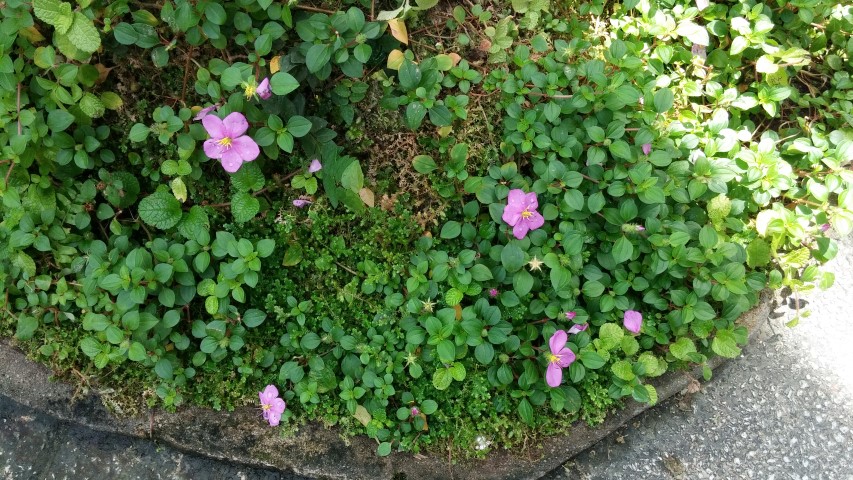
(246, 148)
(231, 160)
(214, 127)
(520, 229)
(565, 357)
(212, 149)
(315, 166)
(578, 328)
(633, 321)
(558, 341)
(535, 221)
(300, 203)
(554, 375)
(235, 125)
(205, 111)
(647, 148)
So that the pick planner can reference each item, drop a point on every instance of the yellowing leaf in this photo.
(362, 415)
(398, 30)
(444, 131)
(179, 189)
(32, 34)
(455, 57)
(395, 59)
(367, 196)
(275, 64)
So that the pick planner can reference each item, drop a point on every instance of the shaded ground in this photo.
(36, 446)
(783, 410)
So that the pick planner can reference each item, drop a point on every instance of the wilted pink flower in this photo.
(205, 111)
(824, 227)
(271, 405)
(699, 51)
(301, 202)
(315, 166)
(520, 213)
(227, 142)
(571, 315)
(578, 328)
(263, 89)
(559, 358)
(415, 411)
(647, 148)
(493, 292)
(633, 321)
(640, 228)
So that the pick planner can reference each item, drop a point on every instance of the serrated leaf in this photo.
(244, 207)
(725, 344)
(160, 209)
(55, 13)
(248, 178)
(195, 225)
(92, 106)
(758, 253)
(83, 34)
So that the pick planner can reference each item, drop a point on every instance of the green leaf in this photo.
(623, 370)
(298, 126)
(54, 13)
(591, 360)
(758, 253)
(265, 247)
(725, 344)
(282, 83)
(423, 164)
(695, 33)
(83, 34)
(623, 249)
(512, 258)
(58, 120)
(310, 341)
(160, 209)
(253, 318)
(409, 75)
(610, 335)
(136, 352)
(27, 325)
(195, 225)
(384, 449)
(91, 106)
(442, 379)
(352, 177)
(453, 297)
(525, 411)
(318, 56)
(522, 282)
(682, 348)
(248, 178)
(139, 132)
(164, 369)
(446, 351)
(428, 407)
(90, 347)
(451, 229)
(664, 99)
(244, 207)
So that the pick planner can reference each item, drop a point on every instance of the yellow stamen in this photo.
(526, 214)
(553, 358)
(266, 407)
(225, 142)
(250, 91)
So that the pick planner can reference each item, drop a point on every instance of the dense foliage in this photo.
(433, 204)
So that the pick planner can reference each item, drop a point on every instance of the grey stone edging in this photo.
(315, 451)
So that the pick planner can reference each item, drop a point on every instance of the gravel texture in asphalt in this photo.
(783, 410)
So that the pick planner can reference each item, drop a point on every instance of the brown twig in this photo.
(313, 9)
(372, 10)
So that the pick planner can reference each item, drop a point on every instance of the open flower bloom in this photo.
(520, 213)
(559, 358)
(227, 142)
(633, 321)
(271, 405)
(263, 90)
(578, 328)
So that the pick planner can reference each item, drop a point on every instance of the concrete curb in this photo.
(319, 452)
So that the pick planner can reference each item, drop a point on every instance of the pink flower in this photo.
(493, 292)
(301, 202)
(559, 358)
(205, 111)
(571, 315)
(647, 148)
(263, 89)
(824, 227)
(415, 411)
(633, 321)
(315, 166)
(698, 51)
(641, 228)
(520, 213)
(578, 328)
(271, 405)
(227, 142)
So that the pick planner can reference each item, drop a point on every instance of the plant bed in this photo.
(442, 230)
(318, 452)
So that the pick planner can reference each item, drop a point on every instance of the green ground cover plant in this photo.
(439, 224)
